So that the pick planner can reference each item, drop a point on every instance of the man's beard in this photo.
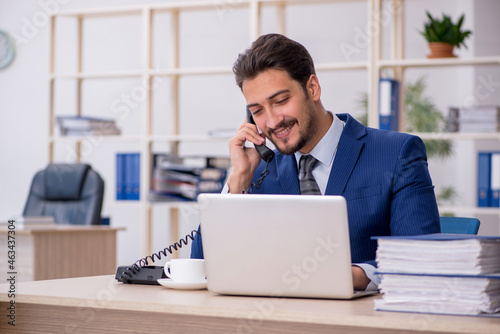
(307, 131)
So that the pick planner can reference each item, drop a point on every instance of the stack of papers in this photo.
(440, 273)
(86, 126)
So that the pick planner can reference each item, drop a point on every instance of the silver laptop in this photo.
(277, 245)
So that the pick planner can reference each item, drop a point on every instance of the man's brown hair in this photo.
(274, 51)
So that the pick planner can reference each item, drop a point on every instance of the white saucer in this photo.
(168, 283)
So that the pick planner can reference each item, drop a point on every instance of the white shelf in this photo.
(439, 62)
(187, 138)
(469, 210)
(104, 138)
(457, 135)
(192, 71)
(97, 75)
(176, 204)
(362, 65)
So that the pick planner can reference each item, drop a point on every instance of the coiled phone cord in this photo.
(263, 175)
(141, 263)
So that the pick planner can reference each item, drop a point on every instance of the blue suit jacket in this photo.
(384, 178)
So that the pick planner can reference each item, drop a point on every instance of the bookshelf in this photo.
(399, 64)
(173, 72)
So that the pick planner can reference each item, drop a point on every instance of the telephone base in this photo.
(145, 275)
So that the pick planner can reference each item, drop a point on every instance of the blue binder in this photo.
(120, 176)
(388, 104)
(495, 179)
(136, 176)
(483, 179)
(132, 176)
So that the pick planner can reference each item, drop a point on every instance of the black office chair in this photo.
(71, 193)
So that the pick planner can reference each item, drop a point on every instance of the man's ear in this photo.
(314, 88)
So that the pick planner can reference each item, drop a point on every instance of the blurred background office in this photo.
(211, 38)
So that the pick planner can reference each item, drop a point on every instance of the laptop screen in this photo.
(276, 245)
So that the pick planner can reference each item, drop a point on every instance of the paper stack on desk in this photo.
(440, 273)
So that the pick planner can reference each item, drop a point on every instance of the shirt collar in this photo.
(325, 150)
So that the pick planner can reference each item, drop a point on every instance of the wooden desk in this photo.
(100, 304)
(60, 251)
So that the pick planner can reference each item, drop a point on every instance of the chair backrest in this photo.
(459, 225)
(71, 193)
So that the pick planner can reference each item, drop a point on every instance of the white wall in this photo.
(212, 38)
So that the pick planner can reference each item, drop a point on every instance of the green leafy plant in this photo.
(422, 115)
(445, 31)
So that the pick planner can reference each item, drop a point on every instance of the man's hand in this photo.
(359, 278)
(244, 160)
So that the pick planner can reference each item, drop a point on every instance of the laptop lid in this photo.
(276, 245)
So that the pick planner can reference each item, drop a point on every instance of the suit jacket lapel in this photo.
(348, 151)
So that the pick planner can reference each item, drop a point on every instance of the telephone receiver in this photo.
(265, 152)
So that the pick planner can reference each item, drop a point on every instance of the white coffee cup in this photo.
(186, 270)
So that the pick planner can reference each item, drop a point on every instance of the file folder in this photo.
(388, 104)
(495, 180)
(483, 179)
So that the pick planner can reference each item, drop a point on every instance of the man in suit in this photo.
(382, 175)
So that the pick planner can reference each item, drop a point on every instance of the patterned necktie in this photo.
(308, 185)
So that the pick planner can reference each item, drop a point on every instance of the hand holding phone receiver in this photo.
(265, 152)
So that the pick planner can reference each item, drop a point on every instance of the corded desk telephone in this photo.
(265, 153)
(142, 273)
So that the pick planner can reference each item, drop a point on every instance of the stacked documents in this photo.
(86, 126)
(440, 273)
(176, 178)
(478, 119)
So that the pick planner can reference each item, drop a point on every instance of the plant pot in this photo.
(440, 50)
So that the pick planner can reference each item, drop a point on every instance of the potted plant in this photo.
(443, 35)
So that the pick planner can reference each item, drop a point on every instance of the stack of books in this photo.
(454, 274)
(86, 126)
(476, 119)
(177, 178)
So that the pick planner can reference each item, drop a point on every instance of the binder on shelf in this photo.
(388, 107)
(135, 176)
(483, 179)
(120, 176)
(128, 176)
(495, 180)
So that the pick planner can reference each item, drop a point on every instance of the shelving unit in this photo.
(374, 64)
(398, 63)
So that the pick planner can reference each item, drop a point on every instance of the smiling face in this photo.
(285, 113)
